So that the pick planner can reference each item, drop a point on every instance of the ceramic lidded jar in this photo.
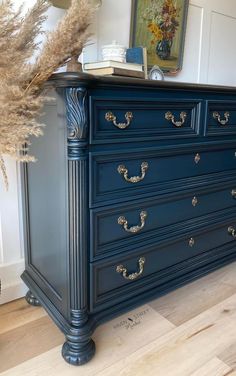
(114, 52)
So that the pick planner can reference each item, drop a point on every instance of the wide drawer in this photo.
(221, 118)
(116, 119)
(116, 279)
(124, 175)
(123, 226)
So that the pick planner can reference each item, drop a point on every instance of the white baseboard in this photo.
(12, 285)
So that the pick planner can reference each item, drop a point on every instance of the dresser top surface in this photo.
(70, 79)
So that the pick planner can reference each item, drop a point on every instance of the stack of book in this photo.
(136, 65)
(114, 68)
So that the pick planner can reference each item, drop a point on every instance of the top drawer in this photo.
(120, 120)
(221, 118)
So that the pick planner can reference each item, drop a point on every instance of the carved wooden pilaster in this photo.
(77, 121)
(78, 240)
(79, 348)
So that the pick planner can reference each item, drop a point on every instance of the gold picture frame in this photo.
(160, 26)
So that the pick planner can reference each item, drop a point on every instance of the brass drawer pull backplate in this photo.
(194, 201)
(111, 117)
(197, 158)
(191, 242)
(134, 229)
(232, 231)
(131, 277)
(134, 179)
(217, 116)
(169, 116)
(233, 193)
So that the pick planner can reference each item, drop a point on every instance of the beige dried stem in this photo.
(21, 83)
(67, 41)
(17, 45)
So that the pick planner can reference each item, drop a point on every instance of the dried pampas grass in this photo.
(21, 83)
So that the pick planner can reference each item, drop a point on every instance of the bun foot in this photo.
(78, 354)
(31, 299)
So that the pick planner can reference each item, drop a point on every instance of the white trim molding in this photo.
(11, 252)
(12, 286)
(1, 245)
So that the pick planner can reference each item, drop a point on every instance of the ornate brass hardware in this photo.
(169, 116)
(232, 231)
(134, 179)
(111, 117)
(134, 229)
(194, 201)
(217, 116)
(132, 276)
(197, 158)
(233, 193)
(191, 242)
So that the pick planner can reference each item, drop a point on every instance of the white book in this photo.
(113, 64)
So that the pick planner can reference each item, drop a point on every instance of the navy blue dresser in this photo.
(133, 194)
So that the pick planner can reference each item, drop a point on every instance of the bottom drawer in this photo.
(118, 278)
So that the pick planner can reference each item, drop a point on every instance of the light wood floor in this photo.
(191, 331)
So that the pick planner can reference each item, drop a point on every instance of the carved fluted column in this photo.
(79, 348)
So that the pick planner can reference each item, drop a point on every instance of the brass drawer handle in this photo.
(217, 116)
(169, 116)
(131, 277)
(233, 193)
(134, 229)
(134, 179)
(232, 231)
(111, 117)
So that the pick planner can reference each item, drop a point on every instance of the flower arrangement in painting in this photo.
(162, 22)
(21, 82)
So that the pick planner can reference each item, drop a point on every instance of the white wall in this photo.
(209, 57)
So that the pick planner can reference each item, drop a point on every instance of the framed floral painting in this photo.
(160, 26)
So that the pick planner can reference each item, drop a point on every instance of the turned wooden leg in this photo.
(31, 299)
(78, 353)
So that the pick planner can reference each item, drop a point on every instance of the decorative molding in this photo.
(77, 124)
(79, 317)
